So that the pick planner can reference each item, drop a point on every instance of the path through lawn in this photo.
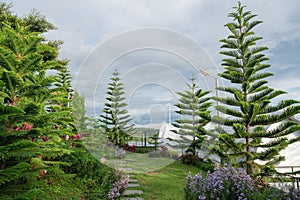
(166, 183)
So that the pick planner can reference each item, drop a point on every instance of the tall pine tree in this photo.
(194, 111)
(116, 120)
(249, 107)
(29, 150)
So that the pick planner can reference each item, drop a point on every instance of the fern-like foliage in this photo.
(249, 108)
(193, 108)
(115, 118)
(29, 148)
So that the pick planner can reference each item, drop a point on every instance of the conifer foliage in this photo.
(116, 119)
(249, 108)
(193, 108)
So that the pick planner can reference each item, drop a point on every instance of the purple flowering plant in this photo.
(222, 183)
(119, 186)
(232, 183)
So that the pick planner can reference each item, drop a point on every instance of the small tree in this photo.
(116, 119)
(78, 113)
(193, 108)
(249, 110)
(155, 140)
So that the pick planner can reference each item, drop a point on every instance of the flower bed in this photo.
(231, 183)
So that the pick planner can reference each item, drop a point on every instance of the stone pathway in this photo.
(131, 189)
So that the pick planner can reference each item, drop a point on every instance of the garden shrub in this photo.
(155, 154)
(119, 186)
(223, 183)
(93, 177)
(207, 165)
(164, 151)
(130, 148)
(190, 159)
(173, 154)
(144, 149)
(231, 183)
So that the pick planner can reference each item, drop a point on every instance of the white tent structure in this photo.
(291, 153)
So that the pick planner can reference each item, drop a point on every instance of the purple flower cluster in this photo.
(223, 183)
(119, 187)
(286, 193)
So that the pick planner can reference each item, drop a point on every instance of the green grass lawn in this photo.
(139, 163)
(166, 183)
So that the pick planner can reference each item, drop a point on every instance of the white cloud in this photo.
(85, 24)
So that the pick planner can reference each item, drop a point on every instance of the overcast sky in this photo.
(157, 46)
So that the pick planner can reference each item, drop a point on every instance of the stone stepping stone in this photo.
(131, 185)
(130, 192)
(129, 160)
(126, 169)
(131, 176)
(133, 180)
(134, 198)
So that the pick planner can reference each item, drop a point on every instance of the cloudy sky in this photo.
(158, 45)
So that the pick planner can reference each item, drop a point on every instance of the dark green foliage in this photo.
(36, 128)
(115, 119)
(154, 140)
(249, 108)
(144, 149)
(93, 177)
(78, 113)
(28, 147)
(190, 159)
(193, 107)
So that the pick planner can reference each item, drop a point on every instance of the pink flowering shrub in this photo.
(164, 151)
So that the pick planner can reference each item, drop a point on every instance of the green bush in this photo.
(190, 159)
(144, 149)
(92, 177)
(173, 154)
(155, 154)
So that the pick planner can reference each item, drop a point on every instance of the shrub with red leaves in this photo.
(130, 148)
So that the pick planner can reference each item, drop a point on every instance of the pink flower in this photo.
(78, 136)
(44, 138)
(27, 126)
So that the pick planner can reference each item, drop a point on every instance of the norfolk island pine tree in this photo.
(194, 110)
(25, 87)
(116, 119)
(249, 107)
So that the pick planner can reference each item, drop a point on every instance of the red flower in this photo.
(78, 136)
(27, 126)
(44, 138)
